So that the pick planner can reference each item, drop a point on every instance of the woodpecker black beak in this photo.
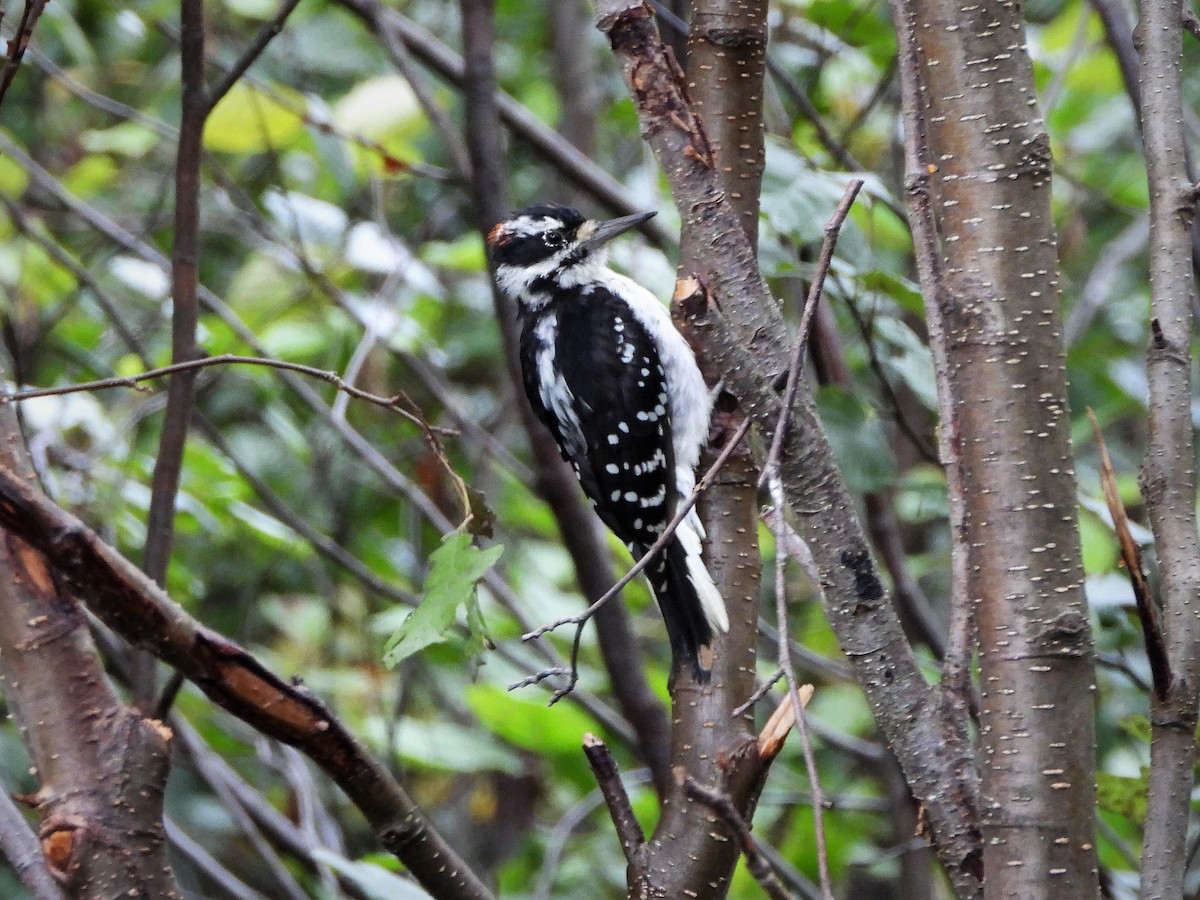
(606, 231)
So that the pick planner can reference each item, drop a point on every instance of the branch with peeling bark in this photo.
(101, 766)
(134, 607)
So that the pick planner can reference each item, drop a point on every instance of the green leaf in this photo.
(859, 440)
(379, 107)
(248, 121)
(1123, 795)
(529, 723)
(131, 139)
(447, 747)
(463, 255)
(454, 572)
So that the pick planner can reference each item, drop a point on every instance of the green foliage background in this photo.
(334, 230)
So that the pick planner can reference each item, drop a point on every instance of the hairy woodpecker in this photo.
(618, 387)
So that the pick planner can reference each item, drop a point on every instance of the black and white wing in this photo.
(612, 367)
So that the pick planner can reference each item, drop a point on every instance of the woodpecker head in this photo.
(548, 247)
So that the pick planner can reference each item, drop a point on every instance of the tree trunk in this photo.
(101, 766)
(978, 147)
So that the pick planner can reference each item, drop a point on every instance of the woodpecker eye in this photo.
(554, 240)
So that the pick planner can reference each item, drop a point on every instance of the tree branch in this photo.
(978, 161)
(1147, 606)
(185, 312)
(743, 338)
(398, 403)
(17, 45)
(235, 72)
(138, 610)
(608, 777)
(756, 861)
(1168, 475)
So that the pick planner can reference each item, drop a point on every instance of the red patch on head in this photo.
(493, 236)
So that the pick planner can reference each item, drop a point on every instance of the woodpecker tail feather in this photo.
(691, 606)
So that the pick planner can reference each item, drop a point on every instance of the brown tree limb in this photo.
(979, 170)
(196, 103)
(756, 861)
(608, 778)
(185, 314)
(17, 44)
(727, 56)
(957, 690)
(137, 609)
(1168, 474)
(1131, 554)
(101, 766)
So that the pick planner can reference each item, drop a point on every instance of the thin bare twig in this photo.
(761, 691)
(396, 403)
(824, 259)
(785, 662)
(756, 862)
(1147, 607)
(581, 619)
(608, 777)
(268, 33)
(772, 477)
(19, 41)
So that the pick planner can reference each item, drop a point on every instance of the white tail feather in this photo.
(711, 601)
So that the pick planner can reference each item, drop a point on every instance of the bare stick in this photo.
(824, 259)
(396, 403)
(772, 477)
(608, 777)
(1147, 607)
(785, 663)
(581, 619)
(16, 47)
(756, 861)
(761, 691)
(249, 55)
